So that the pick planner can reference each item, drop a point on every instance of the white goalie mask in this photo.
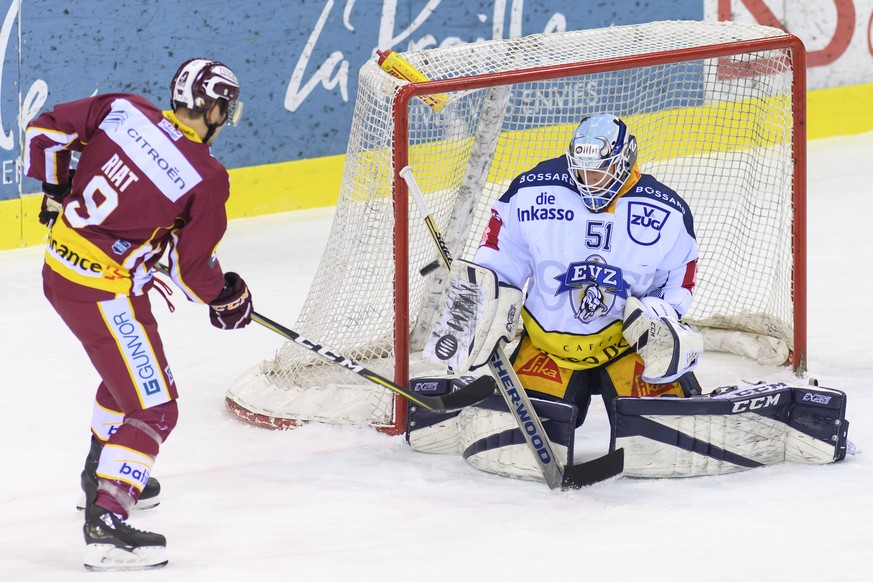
(600, 157)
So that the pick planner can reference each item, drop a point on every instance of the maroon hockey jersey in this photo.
(144, 183)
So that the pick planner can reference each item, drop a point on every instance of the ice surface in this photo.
(349, 504)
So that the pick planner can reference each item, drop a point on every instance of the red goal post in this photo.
(719, 111)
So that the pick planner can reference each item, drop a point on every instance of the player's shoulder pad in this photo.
(649, 188)
(138, 101)
(552, 172)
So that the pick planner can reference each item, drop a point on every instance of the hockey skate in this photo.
(150, 496)
(114, 545)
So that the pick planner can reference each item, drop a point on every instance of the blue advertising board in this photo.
(297, 61)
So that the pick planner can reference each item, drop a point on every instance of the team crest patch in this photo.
(120, 246)
(644, 222)
(593, 286)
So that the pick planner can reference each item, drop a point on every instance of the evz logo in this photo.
(593, 286)
(644, 222)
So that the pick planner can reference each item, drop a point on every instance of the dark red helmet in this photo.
(200, 83)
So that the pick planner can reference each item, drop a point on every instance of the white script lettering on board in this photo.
(333, 72)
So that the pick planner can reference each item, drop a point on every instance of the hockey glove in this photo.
(479, 314)
(53, 200)
(232, 309)
(668, 347)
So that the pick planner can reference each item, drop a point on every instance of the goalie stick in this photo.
(474, 392)
(531, 427)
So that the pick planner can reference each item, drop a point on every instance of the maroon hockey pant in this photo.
(120, 336)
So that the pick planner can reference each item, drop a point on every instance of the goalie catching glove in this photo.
(668, 347)
(479, 315)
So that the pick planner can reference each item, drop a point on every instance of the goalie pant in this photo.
(731, 430)
(487, 435)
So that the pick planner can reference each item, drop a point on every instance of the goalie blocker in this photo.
(731, 430)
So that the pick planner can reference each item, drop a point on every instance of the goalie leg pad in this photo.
(731, 431)
(818, 429)
(491, 440)
(434, 432)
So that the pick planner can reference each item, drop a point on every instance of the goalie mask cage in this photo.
(718, 110)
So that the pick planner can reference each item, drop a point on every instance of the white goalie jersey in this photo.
(581, 266)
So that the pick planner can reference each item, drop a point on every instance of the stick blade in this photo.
(473, 393)
(594, 471)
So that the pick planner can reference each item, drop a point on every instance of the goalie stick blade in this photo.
(595, 471)
(473, 393)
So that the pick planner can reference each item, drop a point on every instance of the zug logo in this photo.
(645, 222)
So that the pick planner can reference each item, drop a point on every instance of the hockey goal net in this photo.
(718, 110)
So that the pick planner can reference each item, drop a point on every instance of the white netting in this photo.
(717, 130)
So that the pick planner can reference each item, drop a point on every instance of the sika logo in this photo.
(543, 367)
(640, 387)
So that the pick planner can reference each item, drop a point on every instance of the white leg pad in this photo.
(735, 430)
(491, 440)
(488, 437)
(438, 437)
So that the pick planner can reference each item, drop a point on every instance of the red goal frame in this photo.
(400, 141)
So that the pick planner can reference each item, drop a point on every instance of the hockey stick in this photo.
(531, 427)
(474, 392)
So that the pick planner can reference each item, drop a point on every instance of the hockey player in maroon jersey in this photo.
(146, 185)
